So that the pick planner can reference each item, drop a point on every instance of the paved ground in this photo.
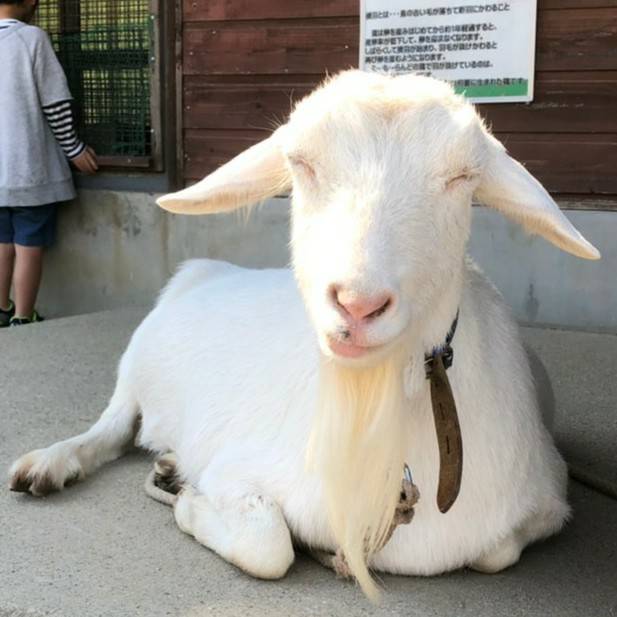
(583, 371)
(104, 548)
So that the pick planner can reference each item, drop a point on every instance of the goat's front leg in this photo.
(51, 469)
(247, 530)
(505, 554)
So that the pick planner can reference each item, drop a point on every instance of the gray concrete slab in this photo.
(104, 548)
(118, 249)
(583, 371)
(542, 284)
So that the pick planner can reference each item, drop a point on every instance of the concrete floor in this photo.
(583, 372)
(104, 548)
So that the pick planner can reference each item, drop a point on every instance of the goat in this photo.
(292, 405)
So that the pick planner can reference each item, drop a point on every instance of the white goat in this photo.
(242, 376)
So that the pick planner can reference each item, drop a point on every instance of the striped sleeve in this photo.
(60, 118)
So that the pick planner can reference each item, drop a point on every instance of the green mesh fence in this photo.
(104, 47)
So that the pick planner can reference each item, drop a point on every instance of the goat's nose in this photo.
(360, 308)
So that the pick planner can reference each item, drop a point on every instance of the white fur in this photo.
(225, 370)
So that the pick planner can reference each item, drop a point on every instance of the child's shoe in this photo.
(7, 315)
(24, 321)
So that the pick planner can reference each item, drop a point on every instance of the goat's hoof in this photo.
(166, 474)
(41, 472)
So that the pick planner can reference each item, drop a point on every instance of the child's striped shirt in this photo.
(37, 133)
(59, 115)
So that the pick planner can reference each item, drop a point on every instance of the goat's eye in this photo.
(302, 166)
(459, 179)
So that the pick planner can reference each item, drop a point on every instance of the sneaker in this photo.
(24, 321)
(7, 315)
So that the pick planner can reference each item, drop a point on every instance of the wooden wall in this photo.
(244, 61)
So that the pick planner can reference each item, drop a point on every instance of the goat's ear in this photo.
(509, 188)
(252, 176)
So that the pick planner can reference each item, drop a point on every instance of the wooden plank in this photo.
(575, 4)
(205, 151)
(575, 164)
(582, 202)
(307, 48)
(576, 105)
(564, 103)
(171, 132)
(179, 96)
(572, 164)
(287, 78)
(156, 74)
(240, 106)
(225, 10)
(582, 102)
(577, 40)
(228, 10)
(568, 40)
(577, 97)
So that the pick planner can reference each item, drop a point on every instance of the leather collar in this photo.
(445, 350)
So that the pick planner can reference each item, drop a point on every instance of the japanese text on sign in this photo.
(486, 49)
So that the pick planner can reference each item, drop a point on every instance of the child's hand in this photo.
(86, 161)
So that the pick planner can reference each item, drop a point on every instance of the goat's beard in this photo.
(357, 446)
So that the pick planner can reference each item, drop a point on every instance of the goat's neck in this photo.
(431, 332)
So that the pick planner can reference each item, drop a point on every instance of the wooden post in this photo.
(155, 63)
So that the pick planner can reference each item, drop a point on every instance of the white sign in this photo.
(485, 49)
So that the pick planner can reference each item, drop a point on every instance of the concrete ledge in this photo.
(119, 249)
(544, 285)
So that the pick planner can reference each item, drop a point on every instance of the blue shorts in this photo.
(28, 225)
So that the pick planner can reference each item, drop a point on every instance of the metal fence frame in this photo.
(153, 160)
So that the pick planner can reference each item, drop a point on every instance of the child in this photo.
(37, 136)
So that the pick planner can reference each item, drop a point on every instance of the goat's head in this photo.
(383, 171)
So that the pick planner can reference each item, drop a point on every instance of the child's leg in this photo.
(7, 260)
(7, 255)
(34, 231)
(27, 278)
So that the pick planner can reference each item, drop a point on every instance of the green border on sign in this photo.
(490, 90)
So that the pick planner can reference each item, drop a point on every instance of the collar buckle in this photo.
(445, 351)
(447, 357)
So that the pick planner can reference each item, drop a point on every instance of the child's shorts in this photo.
(28, 225)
